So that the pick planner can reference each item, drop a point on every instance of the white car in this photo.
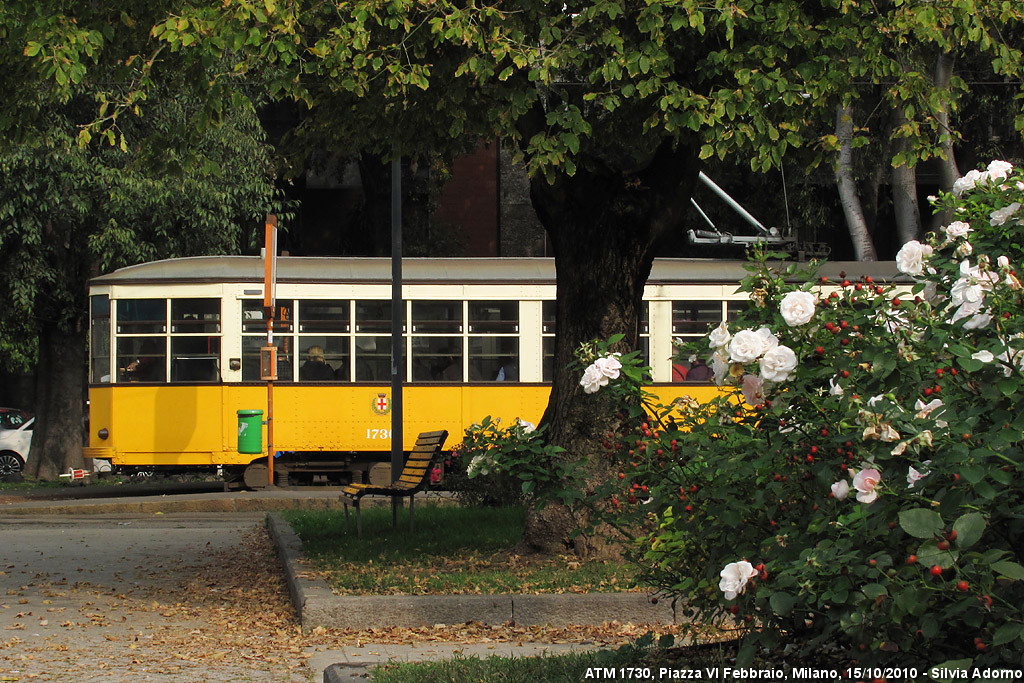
(15, 440)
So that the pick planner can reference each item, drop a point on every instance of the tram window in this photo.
(493, 317)
(99, 339)
(141, 359)
(251, 346)
(141, 316)
(323, 358)
(195, 359)
(493, 359)
(548, 316)
(253, 319)
(548, 340)
(436, 316)
(373, 359)
(695, 317)
(737, 308)
(374, 316)
(195, 316)
(317, 315)
(437, 359)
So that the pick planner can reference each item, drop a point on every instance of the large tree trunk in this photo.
(60, 376)
(603, 254)
(904, 189)
(863, 246)
(948, 170)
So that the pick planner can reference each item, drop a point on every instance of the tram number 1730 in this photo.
(374, 434)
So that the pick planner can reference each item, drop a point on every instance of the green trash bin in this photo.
(250, 431)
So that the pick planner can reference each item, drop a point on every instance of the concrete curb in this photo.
(317, 605)
(134, 507)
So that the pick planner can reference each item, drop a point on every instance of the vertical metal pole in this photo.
(397, 339)
(270, 404)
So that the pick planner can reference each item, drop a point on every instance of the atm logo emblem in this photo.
(381, 404)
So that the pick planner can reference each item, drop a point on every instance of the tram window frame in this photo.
(547, 339)
(99, 339)
(692, 327)
(500, 362)
(324, 325)
(195, 322)
(254, 337)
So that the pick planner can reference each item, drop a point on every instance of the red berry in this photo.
(927, 391)
(936, 570)
(873, 562)
(846, 283)
(979, 644)
(734, 609)
(820, 350)
(845, 341)
(845, 373)
(622, 475)
(939, 372)
(896, 302)
(869, 279)
(843, 324)
(962, 586)
(912, 559)
(951, 535)
(943, 545)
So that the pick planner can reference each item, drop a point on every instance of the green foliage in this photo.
(497, 465)
(857, 485)
(70, 212)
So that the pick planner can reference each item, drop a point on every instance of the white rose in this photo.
(770, 340)
(527, 427)
(1003, 262)
(983, 356)
(778, 363)
(957, 229)
(964, 249)
(911, 257)
(999, 216)
(797, 308)
(841, 489)
(593, 379)
(608, 366)
(719, 337)
(735, 577)
(746, 346)
(967, 182)
(753, 389)
(999, 170)
(720, 367)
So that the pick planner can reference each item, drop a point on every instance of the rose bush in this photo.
(906, 394)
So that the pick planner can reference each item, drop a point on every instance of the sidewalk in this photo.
(317, 606)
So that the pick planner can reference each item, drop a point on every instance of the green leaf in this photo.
(874, 590)
(969, 529)
(782, 603)
(921, 523)
(1007, 632)
(1010, 570)
(951, 665)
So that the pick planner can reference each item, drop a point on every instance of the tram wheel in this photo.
(255, 475)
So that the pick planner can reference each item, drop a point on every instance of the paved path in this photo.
(145, 598)
(104, 592)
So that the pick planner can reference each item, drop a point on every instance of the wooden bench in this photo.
(413, 479)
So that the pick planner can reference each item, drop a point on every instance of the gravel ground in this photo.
(177, 598)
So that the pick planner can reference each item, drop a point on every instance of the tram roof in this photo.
(295, 269)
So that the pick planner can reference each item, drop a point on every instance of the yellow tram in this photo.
(175, 354)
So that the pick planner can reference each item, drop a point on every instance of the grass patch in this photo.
(453, 550)
(569, 668)
(646, 659)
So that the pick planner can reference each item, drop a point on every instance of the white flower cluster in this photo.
(967, 293)
(996, 173)
(600, 372)
(777, 361)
